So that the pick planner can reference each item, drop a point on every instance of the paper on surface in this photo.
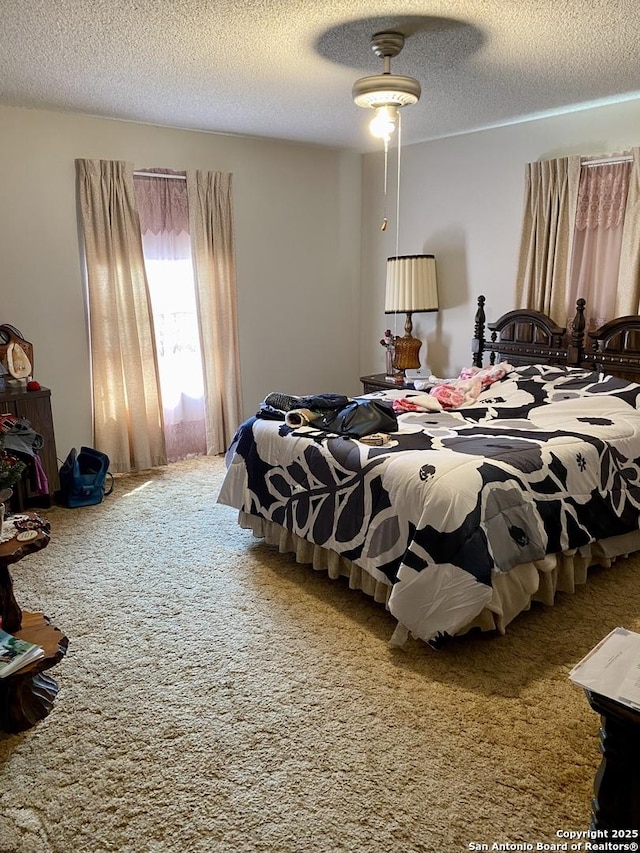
(612, 668)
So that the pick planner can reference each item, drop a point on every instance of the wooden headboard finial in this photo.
(477, 345)
(575, 352)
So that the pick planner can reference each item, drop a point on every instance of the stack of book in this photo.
(16, 653)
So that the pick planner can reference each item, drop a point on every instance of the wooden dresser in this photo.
(35, 406)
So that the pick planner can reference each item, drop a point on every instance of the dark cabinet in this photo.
(616, 805)
(379, 382)
(35, 406)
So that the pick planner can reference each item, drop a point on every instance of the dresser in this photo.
(35, 406)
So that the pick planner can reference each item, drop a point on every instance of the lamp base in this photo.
(406, 353)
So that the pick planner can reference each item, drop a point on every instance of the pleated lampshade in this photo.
(411, 287)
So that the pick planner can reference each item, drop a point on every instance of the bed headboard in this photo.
(525, 336)
(615, 348)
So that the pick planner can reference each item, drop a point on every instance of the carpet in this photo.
(216, 696)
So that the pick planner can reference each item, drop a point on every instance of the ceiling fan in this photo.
(386, 93)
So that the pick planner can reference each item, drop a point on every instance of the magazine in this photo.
(16, 653)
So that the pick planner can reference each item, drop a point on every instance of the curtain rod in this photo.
(606, 160)
(159, 175)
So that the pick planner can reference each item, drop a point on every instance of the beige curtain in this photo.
(127, 408)
(551, 188)
(628, 293)
(212, 245)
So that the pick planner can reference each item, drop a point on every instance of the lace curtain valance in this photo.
(162, 202)
(602, 196)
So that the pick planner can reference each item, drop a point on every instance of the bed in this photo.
(466, 515)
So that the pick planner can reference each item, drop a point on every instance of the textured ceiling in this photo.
(284, 68)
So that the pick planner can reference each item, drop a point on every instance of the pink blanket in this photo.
(453, 393)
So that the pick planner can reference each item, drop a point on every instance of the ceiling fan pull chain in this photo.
(385, 221)
(398, 185)
(395, 316)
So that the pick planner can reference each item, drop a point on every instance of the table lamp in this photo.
(411, 287)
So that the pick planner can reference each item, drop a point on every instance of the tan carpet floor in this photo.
(216, 696)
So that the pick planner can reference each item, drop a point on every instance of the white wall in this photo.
(297, 225)
(461, 199)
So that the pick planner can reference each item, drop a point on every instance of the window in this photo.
(164, 222)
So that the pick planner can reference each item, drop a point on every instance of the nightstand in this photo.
(379, 382)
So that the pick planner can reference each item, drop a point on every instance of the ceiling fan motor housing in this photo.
(386, 89)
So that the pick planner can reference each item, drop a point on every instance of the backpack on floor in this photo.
(83, 478)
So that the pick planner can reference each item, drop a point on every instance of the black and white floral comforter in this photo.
(545, 460)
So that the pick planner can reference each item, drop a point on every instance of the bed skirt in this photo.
(512, 592)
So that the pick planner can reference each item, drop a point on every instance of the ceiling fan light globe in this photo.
(383, 123)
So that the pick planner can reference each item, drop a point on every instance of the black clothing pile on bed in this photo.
(275, 406)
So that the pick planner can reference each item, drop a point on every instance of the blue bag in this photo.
(83, 478)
